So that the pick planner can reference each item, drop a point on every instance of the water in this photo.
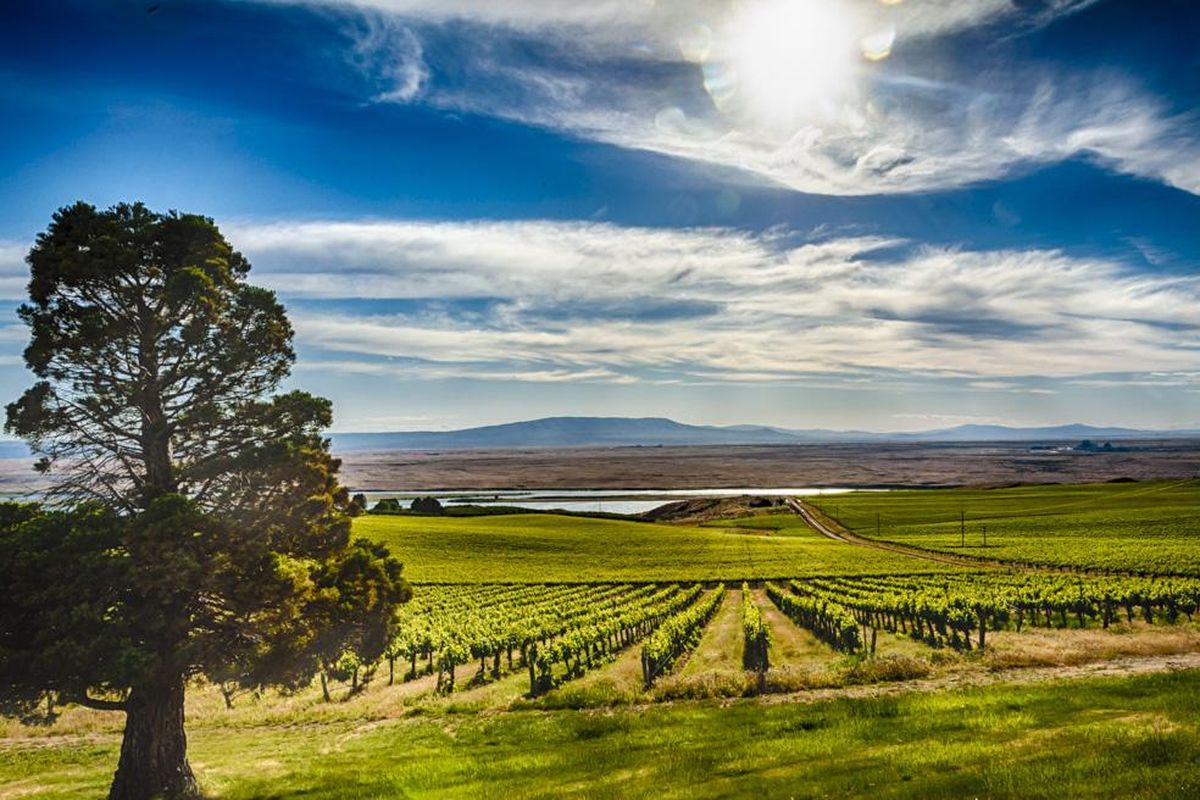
(610, 501)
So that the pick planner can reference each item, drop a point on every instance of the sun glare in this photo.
(790, 58)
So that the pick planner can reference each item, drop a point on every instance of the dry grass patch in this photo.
(1040, 647)
(701, 685)
(888, 668)
(798, 679)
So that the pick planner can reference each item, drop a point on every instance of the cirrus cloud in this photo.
(560, 300)
(667, 78)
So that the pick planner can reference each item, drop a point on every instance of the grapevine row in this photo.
(582, 647)
(948, 610)
(825, 617)
(678, 635)
(757, 636)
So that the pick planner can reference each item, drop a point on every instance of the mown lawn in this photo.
(547, 547)
(1129, 737)
(1136, 527)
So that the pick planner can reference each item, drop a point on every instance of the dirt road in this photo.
(817, 524)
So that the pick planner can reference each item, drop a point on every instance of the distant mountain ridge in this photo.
(651, 431)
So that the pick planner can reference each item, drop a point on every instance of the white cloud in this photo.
(831, 123)
(14, 273)
(1016, 387)
(921, 136)
(429, 371)
(1158, 380)
(588, 301)
(390, 56)
(614, 22)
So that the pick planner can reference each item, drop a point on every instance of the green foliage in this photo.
(100, 601)
(583, 646)
(946, 609)
(198, 526)
(823, 615)
(757, 635)
(426, 505)
(678, 635)
(153, 357)
(63, 574)
(555, 633)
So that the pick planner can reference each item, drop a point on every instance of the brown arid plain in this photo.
(770, 466)
(876, 465)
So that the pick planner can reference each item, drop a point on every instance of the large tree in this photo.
(195, 525)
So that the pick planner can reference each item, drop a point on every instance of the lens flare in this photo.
(720, 81)
(878, 46)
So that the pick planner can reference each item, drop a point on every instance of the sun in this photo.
(784, 60)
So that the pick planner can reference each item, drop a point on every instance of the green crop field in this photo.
(1151, 528)
(545, 547)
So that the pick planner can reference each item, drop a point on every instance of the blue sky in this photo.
(860, 214)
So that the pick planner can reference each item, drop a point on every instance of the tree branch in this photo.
(95, 703)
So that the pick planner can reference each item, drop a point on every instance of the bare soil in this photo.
(765, 466)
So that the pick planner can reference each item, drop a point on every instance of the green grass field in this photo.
(545, 547)
(1135, 527)
(1131, 737)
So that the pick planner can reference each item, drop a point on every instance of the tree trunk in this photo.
(525, 653)
(153, 761)
(155, 435)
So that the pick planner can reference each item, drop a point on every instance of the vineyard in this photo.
(958, 611)
(552, 632)
(651, 591)
(463, 636)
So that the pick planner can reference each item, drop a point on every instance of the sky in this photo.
(882, 215)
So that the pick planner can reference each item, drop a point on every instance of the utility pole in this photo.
(876, 524)
(985, 535)
(962, 528)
